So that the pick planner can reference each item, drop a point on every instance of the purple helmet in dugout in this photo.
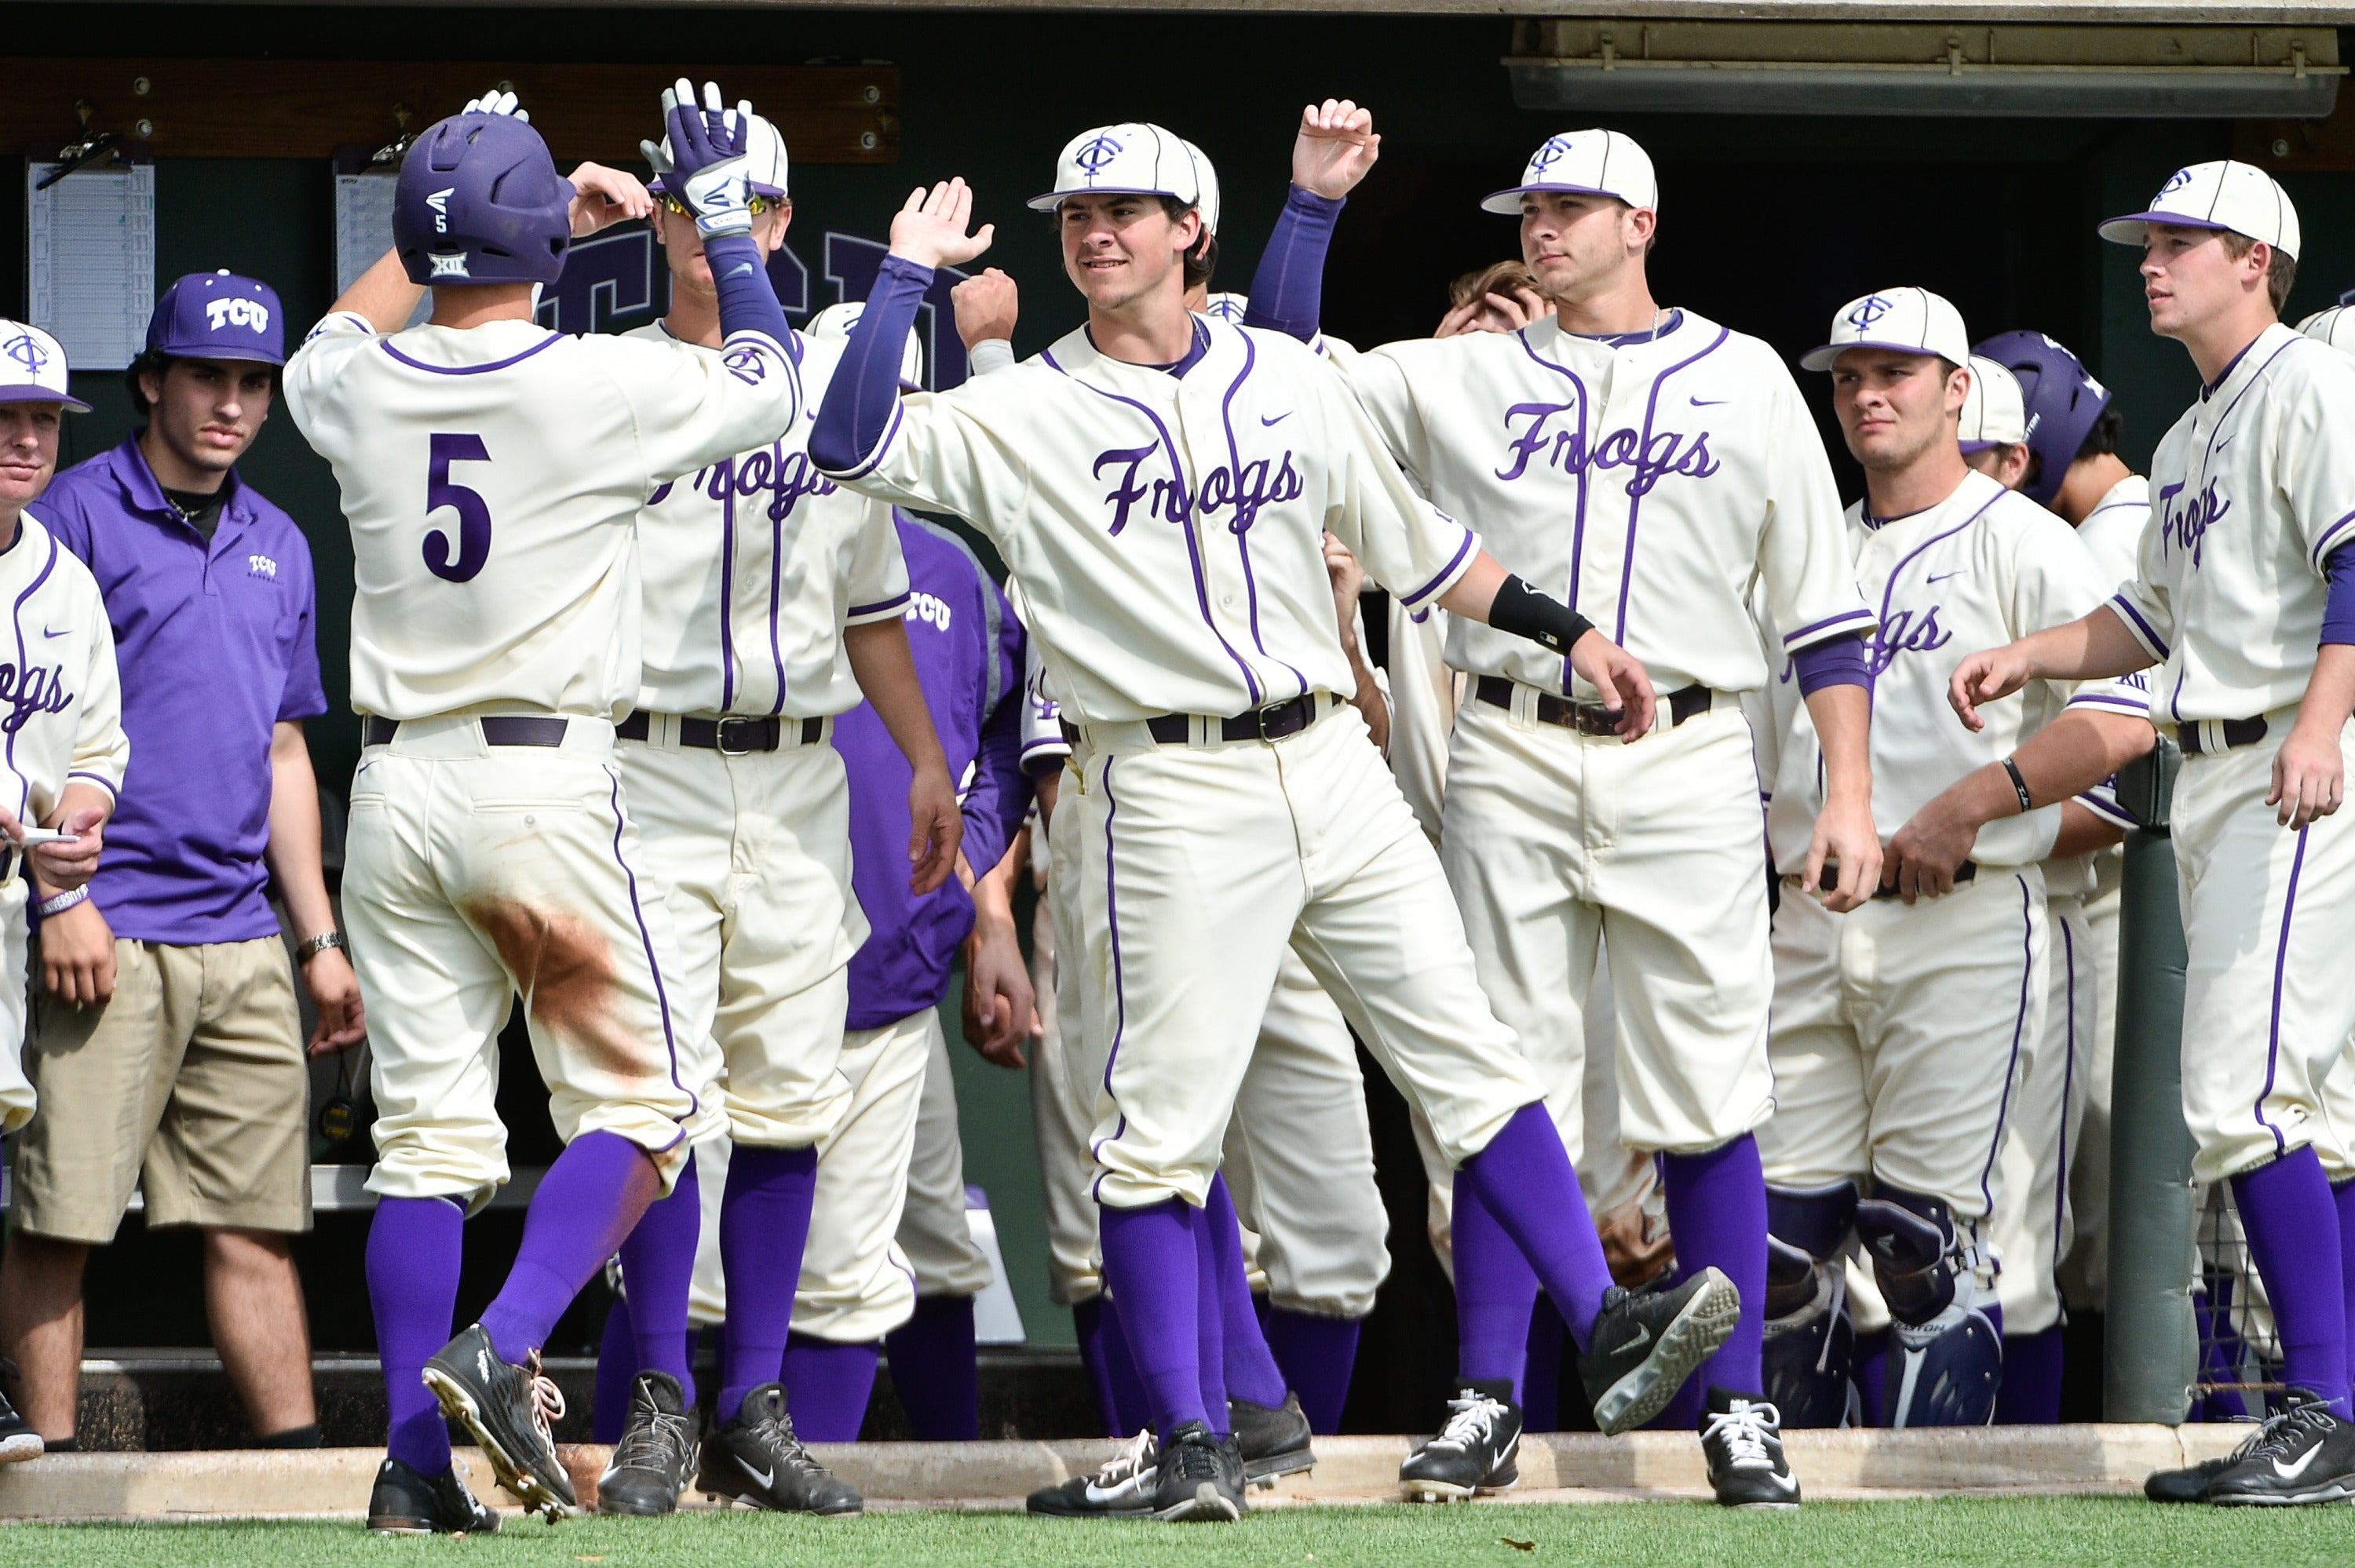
(2061, 398)
(480, 201)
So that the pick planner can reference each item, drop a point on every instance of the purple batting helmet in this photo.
(480, 202)
(2062, 401)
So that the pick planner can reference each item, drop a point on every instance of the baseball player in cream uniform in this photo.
(1686, 462)
(2242, 595)
(749, 652)
(492, 472)
(1161, 485)
(1903, 1031)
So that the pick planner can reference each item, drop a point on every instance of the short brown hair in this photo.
(1501, 278)
(2281, 273)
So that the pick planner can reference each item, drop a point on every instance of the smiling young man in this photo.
(62, 770)
(169, 1052)
(2245, 594)
(1162, 483)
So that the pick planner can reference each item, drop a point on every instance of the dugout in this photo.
(1808, 151)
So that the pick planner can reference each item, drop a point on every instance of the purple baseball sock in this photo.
(1152, 1261)
(657, 1266)
(1209, 1327)
(764, 1226)
(2029, 1394)
(1524, 1180)
(827, 1386)
(1135, 1410)
(1250, 1367)
(1541, 1382)
(2342, 1198)
(935, 1372)
(1871, 1375)
(414, 1247)
(1318, 1355)
(617, 1368)
(589, 1199)
(1717, 1212)
(2286, 1207)
(1495, 1292)
(1091, 1324)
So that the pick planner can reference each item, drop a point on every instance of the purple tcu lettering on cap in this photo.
(2061, 400)
(218, 315)
(480, 202)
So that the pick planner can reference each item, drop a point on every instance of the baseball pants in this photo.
(753, 852)
(15, 1092)
(1198, 865)
(2269, 919)
(2031, 1229)
(1555, 842)
(2085, 1268)
(1900, 1035)
(476, 873)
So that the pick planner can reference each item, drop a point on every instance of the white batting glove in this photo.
(496, 102)
(707, 169)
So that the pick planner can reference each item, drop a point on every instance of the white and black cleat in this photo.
(1198, 1477)
(755, 1458)
(1123, 1487)
(1646, 1342)
(2305, 1454)
(656, 1453)
(1742, 1439)
(1477, 1451)
(403, 1502)
(18, 1441)
(507, 1408)
(1272, 1439)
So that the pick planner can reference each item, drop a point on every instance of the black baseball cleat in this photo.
(1272, 1439)
(1477, 1451)
(2189, 1484)
(1742, 1438)
(507, 1408)
(2305, 1454)
(1197, 1476)
(406, 1503)
(656, 1453)
(1645, 1343)
(1123, 1488)
(755, 1458)
(17, 1438)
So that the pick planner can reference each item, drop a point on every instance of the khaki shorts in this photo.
(189, 1085)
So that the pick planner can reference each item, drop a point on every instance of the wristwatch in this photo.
(319, 944)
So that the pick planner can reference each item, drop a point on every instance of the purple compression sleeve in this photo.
(590, 1198)
(864, 390)
(657, 1266)
(1834, 661)
(1287, 291)
(748, 301)
(414, 1246)
(2338, 609)
(2285, 1206)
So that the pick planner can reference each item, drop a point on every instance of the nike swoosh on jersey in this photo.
(1264, 420)
(2305, 1461)
(47, 632)
(1942, 577)
(1710, 402)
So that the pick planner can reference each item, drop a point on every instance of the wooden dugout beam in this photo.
(313, 109)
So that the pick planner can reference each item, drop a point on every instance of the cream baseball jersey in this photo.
(2112, 529)
(2250, 493)
(61, 703)
(1647, 483)
(1981, 569)
(492, 479)
(753, 626)
(1168, 530)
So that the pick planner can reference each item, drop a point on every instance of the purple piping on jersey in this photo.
(1447, 574)
(2092, 700)
(25, 801)
(1876, 661)
(2322, 547)
(1578, 525)
(1836, 624)
(2018, 1027)
(726, 473)
(880, 606)
(100, 780)
(2115, 506)
(2281, 963)
(1636, 503)
(549, 342)
(776, 600)
(2101, 808)
(1185, 502)
(1242, 536)
(2150, 638)
(662, 996)
(1119, 990)
(2068, 1078)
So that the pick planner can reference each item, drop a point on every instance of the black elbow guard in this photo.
(1525, 612)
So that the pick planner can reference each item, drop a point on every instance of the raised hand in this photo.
(1335, 148)
(705, 169)
(603, 196)
(929, 229)
(496, 101)
(986, 307)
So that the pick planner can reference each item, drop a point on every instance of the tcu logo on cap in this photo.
(2182, 177)
(1093, 157)
(1553, 152)
(25, 351)
(237, 313)
(1868, 310)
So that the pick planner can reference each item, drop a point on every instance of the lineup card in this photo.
(90, 242)
(364, 231)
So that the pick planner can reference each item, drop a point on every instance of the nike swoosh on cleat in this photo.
(1640, 1338)
(766, 1477)
(2292, 1472)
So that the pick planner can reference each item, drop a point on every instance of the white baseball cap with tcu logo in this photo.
(1585, 162)
(1907, 321)
(33, 367)
(2236, 198)
(1135, 159)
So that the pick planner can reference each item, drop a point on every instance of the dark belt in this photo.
(1589, 718)
(730, 736)
(1271, 723)
(1966, 872)
(2237, 733)
(513, 730)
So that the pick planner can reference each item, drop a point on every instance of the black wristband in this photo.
(1525, 612)
(2020, 785)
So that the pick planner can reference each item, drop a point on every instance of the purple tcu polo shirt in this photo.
(214, 647)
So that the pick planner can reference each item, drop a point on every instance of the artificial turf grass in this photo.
(1947, 1531)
